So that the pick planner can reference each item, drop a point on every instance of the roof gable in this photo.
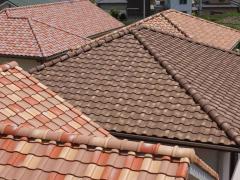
(121, 85)
(27, 102)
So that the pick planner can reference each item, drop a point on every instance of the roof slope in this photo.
(45, 30)
(80, 17)
(39, 154)
(121, 85)
(26, 102)
(195, 28)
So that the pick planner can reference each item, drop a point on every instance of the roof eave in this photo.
(154, 139)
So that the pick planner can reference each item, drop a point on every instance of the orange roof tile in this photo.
(28, 153)
(198, 29)
(48, 29)
(27, 102)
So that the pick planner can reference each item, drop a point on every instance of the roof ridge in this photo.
(189, 40)
(58, 28)
(203, 103)
(174, 25)
(105, 142)
(44, 4)
(113, 35)
(35, 36)
(84, 48)
(7, 66)
(204, 20)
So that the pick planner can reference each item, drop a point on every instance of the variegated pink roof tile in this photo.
(26, 102)
(48, 29)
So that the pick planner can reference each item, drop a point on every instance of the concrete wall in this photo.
(24, 63)
(175, 4)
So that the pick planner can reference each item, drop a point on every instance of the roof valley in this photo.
(35, 36)
(206, 107)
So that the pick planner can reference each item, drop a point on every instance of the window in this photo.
(182, 1)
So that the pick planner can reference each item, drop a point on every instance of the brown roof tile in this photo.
(48, 29)
(120, 84)
(45, 110)
(29, 153)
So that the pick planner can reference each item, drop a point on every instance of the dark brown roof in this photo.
(24, 101)
(28, 153)
(127, 86)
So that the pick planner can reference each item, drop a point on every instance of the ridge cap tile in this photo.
(186, 155)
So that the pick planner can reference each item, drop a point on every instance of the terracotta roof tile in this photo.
(200, 30)
(122, 87)
(48, 29)
(37, 106)
(30, 153)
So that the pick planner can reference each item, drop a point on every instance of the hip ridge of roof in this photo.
(221, 121)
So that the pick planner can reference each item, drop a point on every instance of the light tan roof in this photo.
(198, 29)
(28, 153)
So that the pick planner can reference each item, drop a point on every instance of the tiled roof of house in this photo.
(49, 29)
(28, 103)
(31, 2)
(198, 29)
(125, 86)
(28, 153)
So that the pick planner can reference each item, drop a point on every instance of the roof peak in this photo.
(114, 35)
(105, 142)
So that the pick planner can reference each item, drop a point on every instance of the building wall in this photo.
(236, 173)
(218, 160)
(24, 63)
(175, 4)
(135, 8)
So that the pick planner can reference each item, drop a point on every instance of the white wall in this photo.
(174, 4)
(26, 64)
(218, 160)
(236, 173)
